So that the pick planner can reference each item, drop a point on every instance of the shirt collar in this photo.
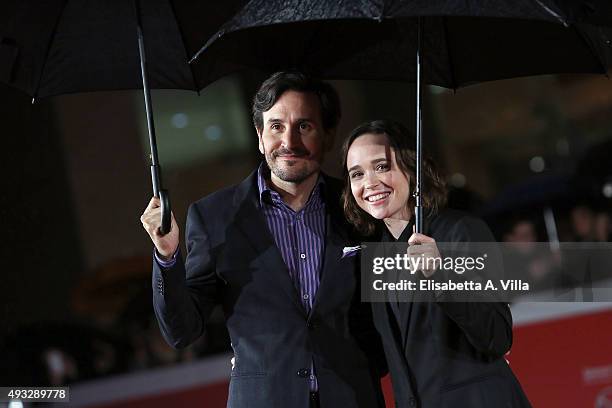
(266, 193)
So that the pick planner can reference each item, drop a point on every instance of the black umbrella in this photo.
(542, 193)
(56, 47)
(460, 42)
(535, 192)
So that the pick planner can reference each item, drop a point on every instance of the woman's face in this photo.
(378, 185)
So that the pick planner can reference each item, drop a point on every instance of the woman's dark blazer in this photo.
(449, 354)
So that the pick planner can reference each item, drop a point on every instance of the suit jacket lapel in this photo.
(400, 303)
(332, 259)
(336, 238)
(251, 222)
(407, 309)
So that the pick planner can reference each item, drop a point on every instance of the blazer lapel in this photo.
(400, 303)
(332, 260)
(250, 220)
(336, 238)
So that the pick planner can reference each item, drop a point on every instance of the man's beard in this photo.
(293, 171)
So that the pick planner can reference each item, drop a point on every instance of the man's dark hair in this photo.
(280, 82)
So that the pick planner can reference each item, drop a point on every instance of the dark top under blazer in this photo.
(443, 355)
(232, 260)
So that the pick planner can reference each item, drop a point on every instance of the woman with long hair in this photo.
(440, 354)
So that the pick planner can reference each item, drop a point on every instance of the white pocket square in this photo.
(351, 251)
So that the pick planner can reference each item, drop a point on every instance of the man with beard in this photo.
(270, 251)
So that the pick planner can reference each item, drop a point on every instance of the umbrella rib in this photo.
(195, 83)
(51, 40)
(552, 13)
(449, 53)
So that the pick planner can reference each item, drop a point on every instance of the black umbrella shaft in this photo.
(418, 209)
(155, 173)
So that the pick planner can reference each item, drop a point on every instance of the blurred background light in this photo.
(180, 120)
(537, 164)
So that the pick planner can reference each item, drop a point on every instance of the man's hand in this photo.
(425, 247)
(151, 220)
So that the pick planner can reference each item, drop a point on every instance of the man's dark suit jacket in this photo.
(232, 260)
(449, 354)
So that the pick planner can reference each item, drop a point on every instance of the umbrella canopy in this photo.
(57, 47)
(464, 42)
(534, 193)
(537, 196)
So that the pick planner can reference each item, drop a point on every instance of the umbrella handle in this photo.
(166, 212)
(163, 195)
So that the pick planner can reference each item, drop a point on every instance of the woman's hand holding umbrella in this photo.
(167, 244)
(424, 247)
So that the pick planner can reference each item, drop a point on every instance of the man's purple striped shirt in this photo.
(300, 236)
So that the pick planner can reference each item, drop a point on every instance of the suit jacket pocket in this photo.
(460, 384)
(488, 390)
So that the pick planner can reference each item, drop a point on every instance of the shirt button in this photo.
(412, 402)
(303, 256)
(306, 296)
